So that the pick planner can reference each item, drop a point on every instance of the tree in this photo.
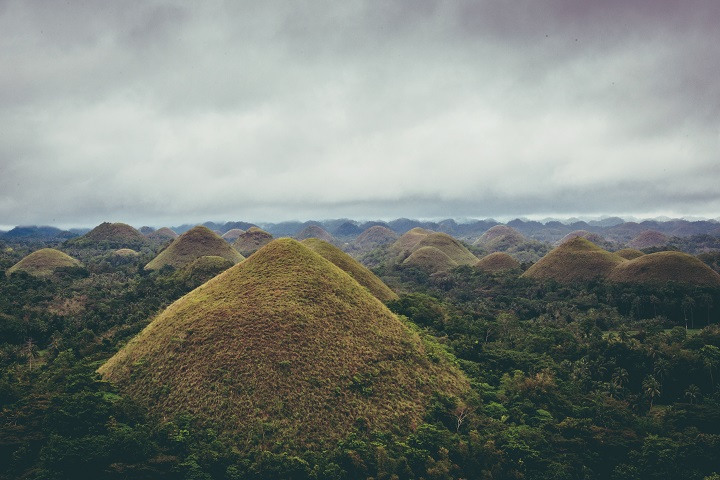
(693, 393)
(710, 355)
(688, 304)
(651, 388)
(28, 350)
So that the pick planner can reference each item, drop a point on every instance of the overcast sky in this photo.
(169, 112)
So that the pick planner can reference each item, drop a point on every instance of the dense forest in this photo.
(569, 381)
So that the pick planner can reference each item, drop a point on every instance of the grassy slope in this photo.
(43, 262)
(575, 260)
(375, 236)
(117, 233)
(313, 231)
(250, 241)
(430, 259)
(404, 245)
(497, 262)
(662, 267)
(629, 253)
(500, 237)
(352, 267)
(449, 246)
(232, 234)
(164, 233)
(649, 238)
(286, 345)
(126, 252)
(195, 243)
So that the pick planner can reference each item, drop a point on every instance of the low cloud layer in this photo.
(159, 112)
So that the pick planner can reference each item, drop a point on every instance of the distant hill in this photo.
(663, 267)
(593, 237)
(648, 239)
(288, 334)
(43, 263)
(250, 241)
(403, 246)
(352, 267)
(373, 237)
(500, 238)
(203, 269)
(146, 230)
(162, 235)
(36, 233)
(232, 235)
(430, 259)
(314, 231)
(575, 260)
(629, 253)
(497, 262)
(125, 252)
(347, 229)
(455, 250)
(195, 243)
(111, 236)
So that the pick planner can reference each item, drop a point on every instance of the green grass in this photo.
(43, 263)
(430, 259)
(252, 240)
(352, 267)
(575, 260)
(284, 349)
(497, 262)
(662, 267)
(113, 234)
(195, 243)
(629, 253)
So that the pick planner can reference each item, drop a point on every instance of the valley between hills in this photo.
(342, 349)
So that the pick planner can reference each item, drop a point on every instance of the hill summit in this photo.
(43, 263)
(577, 259)
(285, 348)
(497, 262)
(253, 239)
(663, 267)
(195, 243)
(315, 231)
(111, 235)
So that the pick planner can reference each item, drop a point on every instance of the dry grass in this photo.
(373, 237)
(43, 263)
(593, 237)
(352, 267)
(455, 250)
(404, 245)
(649, 238)
(286, 349)
(252, 240)
(662, 267)
(195, 243)
(575, 260)
(497, 262)
(629, 253)
(162, 234)
(114, 233)
(314, 231)
(232, 234)
(500, 238)
(125, 252)
(430, 259)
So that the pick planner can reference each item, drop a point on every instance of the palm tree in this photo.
(28, 350)
(692, 392)
(651, 388)
(711, 358)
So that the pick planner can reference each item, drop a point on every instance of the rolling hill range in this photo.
(285, 348)
(575, 260)
(43, 263)
(352, 267)
(195, 243)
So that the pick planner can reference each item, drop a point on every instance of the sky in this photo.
(170, 112)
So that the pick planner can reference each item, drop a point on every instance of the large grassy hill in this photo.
(455, 250)
(497, 262)
(352, 267)
(43, 263)
(403, 246)
(575, 260)
(287, 351)
(111, 235)
(430, 259)
(195, 243)
(662, 267)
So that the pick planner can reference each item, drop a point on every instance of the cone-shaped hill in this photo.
(575, 260)
(593, 237)
(162, 235)
(404, 245)
(497, 262)
(195, 243)
(43, 263)
(232, 234)
(284, 337)
(111, 235)
(629, 253)
(662, 267)
(648, 239)
(500, 238)
(253, 239)
(373, 237)
(455, 250)
(314, 231)
(352, 267)
(430, 259)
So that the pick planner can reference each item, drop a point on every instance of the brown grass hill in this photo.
(195, 243)
(111, 236)
(125, 252)
(250, 241)
(663, 267)
(500, 238)
(430, 259)
(648, 239)
(232, 234)
(593, 237)
(575, 260)
(43, 263)
(288, 348)
(497, 262)
(374, 237)
(352, 267)
(314, 231)
(403, 246)
(457, 252)
(163, 234)
(629, 253)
